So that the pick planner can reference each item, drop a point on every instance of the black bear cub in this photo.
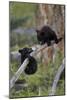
(46, 35)
(32, 66)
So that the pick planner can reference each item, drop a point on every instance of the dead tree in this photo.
(56, 79)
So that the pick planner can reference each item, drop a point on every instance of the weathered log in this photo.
(56, 79)
(23, 66)
(15, 56)
(18, 73)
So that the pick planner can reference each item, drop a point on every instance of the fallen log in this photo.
(56, 79)
(23, 66)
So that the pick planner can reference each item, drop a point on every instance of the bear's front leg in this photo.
(48, 43)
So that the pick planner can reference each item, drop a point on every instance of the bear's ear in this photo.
(37, 31)
(20, 51)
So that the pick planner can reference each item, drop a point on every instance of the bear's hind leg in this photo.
(32, 66)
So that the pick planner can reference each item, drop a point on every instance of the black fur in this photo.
(32, 66)
(46, 35)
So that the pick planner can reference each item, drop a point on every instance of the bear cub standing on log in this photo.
(32, 66)
(46, 35)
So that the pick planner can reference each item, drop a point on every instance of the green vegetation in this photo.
(42, 80)
(21, 40)
(22, 14)
(19, 10)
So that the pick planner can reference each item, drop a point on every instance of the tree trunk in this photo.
(53, 16)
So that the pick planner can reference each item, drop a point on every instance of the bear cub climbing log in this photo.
(32, 66)
(46, 35)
